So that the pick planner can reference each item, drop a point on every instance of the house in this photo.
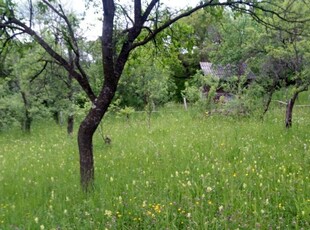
(224, 73)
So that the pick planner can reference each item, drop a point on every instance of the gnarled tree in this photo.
(141, 23)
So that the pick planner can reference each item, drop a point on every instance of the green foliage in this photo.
(11, 112)
(145, 80)
(5, 7)
(191, 93)
(193, 88)
(127, 111)
(201, 90)
(38, 93)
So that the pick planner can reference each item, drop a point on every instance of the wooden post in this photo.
(185, 103)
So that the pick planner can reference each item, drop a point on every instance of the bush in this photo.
(11, 112)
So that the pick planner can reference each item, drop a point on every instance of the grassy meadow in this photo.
(186, 171)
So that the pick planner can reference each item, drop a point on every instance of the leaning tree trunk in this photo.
(86, 132)
(289, 111)
(266, 107)
(267, 104)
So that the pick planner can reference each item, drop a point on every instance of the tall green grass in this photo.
(186, 171)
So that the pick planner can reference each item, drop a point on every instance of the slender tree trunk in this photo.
(56, 117)
(267, 104)
(27, 122)
(70, 124)
(289, 111)
(27, 119)
(70, 119)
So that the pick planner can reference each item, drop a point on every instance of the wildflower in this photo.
(221, 208)
(262, 211)
(36, 220)
(209, 189)
(157, 208)
(118, 214)
(108, 213)
(111, 179)
(149, 213)
(52, 195)
(42, 227)
(188, 215)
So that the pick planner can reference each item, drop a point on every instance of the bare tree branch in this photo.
(233, 4)
(39, 72)
(126, 14)
(72, 41)
(83, 82)
(8, 40)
